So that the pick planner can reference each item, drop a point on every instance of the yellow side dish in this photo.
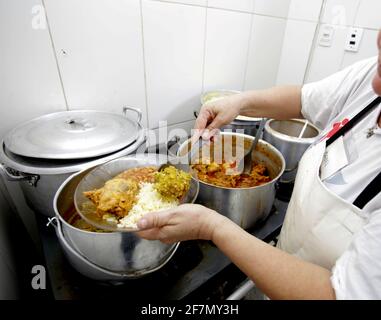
(172, 183)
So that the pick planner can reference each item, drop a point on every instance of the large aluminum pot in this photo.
(39, 179)
(118, 254)
(244, 206)
(284, 135)
(40, 182)
(84, 266)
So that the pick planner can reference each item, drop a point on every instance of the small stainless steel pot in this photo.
(244, 206)
(284, 135)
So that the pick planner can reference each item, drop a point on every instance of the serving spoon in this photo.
(303, 129)
(248, 159)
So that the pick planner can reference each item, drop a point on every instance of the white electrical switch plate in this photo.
(354, 39)
(326, 36)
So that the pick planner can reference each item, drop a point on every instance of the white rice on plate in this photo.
(148, 200)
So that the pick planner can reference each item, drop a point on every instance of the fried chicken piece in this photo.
(116, 197)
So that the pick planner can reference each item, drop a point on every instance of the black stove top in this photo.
(198, 269)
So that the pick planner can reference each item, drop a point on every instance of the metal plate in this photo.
(72, 135)
(97, 178)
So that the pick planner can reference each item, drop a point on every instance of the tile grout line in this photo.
(144, 61)
(283, 43)
(353, 25)
(248, 52)
(173, 124)
(349, 26)
(204, 55)
(314, 40)
(180, 3)
(357, 11)
(233, 10)
(55, 56)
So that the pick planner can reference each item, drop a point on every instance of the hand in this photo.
(185, 222)
(377, 77)
(216, 114)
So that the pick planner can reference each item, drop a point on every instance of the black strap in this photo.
(369, 192)
(374, 188)
(356, 119)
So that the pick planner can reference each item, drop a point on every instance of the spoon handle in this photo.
(247, 160)
(259, 132)
(303, 129)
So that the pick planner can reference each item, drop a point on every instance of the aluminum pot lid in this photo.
(57, 166)
(72, 135)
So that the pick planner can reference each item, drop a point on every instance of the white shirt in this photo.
(327, 103)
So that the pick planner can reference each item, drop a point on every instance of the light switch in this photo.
(326, 36)
(354, 39)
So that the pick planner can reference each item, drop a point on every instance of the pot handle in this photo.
(52, 222)
(55, 222)
(14, 175)
(136, 110)
(173, 141)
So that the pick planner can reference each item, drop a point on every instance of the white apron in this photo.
(319, 225)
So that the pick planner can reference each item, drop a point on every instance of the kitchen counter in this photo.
(198, 268)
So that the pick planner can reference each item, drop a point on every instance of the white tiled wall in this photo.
(368, 48)
(264, 52)
(296, 50)
(305, 10)
(226, 53)
(275, 8)
(369, 14)
(174, 48)
(327, 60)
(191, 2)
(342, 15)
(241, 5)
(340, 12)
(99, 48)
(29, 81)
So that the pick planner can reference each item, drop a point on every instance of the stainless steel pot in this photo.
(39, 179)
(244, 206)
(87, 268)
(107, 256)
(284, 135)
